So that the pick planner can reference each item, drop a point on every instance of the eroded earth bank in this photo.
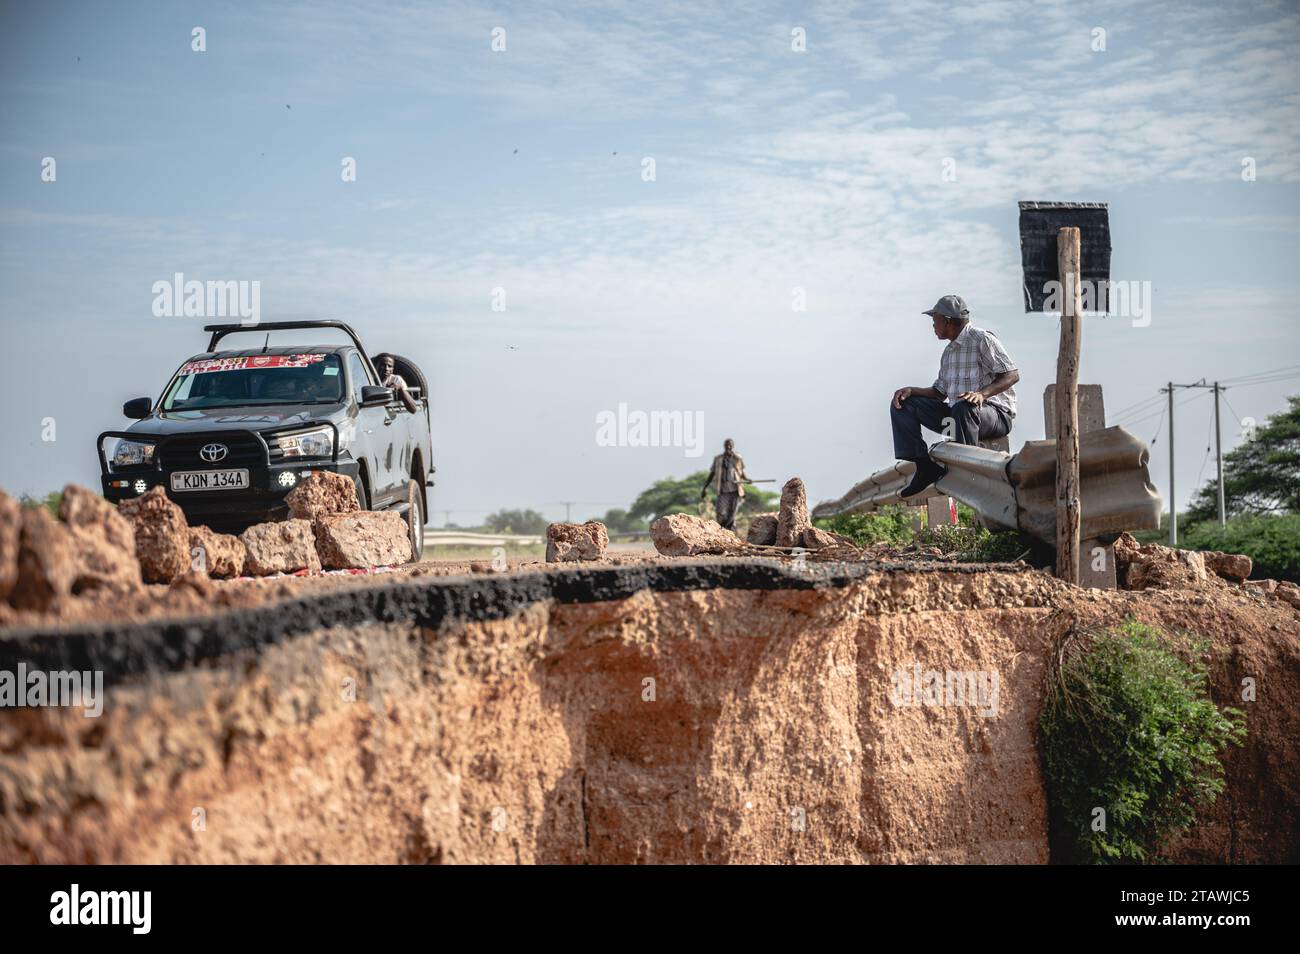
(693, 711)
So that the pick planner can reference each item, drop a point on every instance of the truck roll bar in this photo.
(220, 331)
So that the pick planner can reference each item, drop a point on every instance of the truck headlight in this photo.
(132, 453)
(317, 443)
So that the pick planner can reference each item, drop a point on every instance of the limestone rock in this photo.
(682, 534)
(1164, 567)
(324, 492)
(792, 519)
(814, 538)
(1231, 566)
(576, 542)
(762, 529)
(1289, 593)
(282, 547)
(362, 539)
(47, 561)
(162, 537)
(11, 522)
(221, 554)
(104, 541)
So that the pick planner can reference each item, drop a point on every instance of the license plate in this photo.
(210, 480)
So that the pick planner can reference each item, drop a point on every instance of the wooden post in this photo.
(1067, 407)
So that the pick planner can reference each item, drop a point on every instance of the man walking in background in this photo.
(728, 477)
(972, 399)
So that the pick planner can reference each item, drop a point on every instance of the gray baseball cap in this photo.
(950, 306)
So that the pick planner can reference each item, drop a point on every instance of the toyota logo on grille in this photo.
(213, 452)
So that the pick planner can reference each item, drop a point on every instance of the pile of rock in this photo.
(326, 520)
(168, 548)
(682, 534)
(94, 547)
(1141, 566)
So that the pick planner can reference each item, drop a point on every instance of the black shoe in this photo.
(927, 472)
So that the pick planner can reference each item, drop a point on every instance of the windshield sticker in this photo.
(209, 365)
(331, 371)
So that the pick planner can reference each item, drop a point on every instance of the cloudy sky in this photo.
(874, 170)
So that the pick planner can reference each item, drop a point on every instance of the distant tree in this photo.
(1260, 476)
(50, 501)
(617, 520)
(670, 495)
(682, 495)
(516, 521)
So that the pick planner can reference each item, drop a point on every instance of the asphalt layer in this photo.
(124, 649)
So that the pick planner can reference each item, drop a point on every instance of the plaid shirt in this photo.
(971, 362)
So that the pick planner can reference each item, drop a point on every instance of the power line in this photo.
(1159, 424)
(1240, 419)
(1258, 374)
(1132, 408)
(1164, 409)
(1209, 432)
(1280, 377)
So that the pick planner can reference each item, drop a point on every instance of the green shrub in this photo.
(887, 525)
(893, 525)
(976, 544)
(1129, 727)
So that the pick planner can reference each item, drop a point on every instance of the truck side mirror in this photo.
(373, 394)
(138, 408)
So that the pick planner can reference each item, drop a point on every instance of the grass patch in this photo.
(966, 541)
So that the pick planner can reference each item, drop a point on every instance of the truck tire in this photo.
(363, 497)
(415, 520)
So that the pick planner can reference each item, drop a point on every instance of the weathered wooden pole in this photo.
(1067, 407)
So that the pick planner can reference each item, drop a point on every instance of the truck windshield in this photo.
(260, 379)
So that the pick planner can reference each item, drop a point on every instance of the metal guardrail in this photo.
(467, 538)
(1018, 492)
(881, 489)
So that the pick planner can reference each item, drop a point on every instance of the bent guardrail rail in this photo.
(881, 489)
(1018, 491)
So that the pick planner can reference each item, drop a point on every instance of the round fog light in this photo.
(287, 479)
(141, 486)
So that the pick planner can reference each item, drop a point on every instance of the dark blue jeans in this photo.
(970, 424)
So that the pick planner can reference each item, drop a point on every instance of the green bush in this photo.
(976, 544)
(1271, 541)
(887, 525)
(1129, 727)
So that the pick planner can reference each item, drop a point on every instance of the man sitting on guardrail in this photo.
(976, 375)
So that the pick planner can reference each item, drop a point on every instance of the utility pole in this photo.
(1218, 454)
(1218, 389)
(1173, 507)
(567, 505)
